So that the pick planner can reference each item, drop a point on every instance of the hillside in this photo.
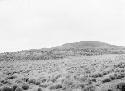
(81, 66)
(82, 48)
(88, 44)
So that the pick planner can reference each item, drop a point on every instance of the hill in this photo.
(82, 48)
(88, 44)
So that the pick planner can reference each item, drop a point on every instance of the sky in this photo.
(34, 24)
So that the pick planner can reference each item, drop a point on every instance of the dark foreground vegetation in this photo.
(81, 66)
(95, 73)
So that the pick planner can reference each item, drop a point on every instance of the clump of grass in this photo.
(43, 85)
(121, 86)
(90, 88)
(106, 80)
(56, 86)
(112, 77)
(82, 85)
(44, 80)
(6, 88)
(37, 83)
(109, 90)
(120, 76)
(14, 87)
(11, 77)
(25, 79)
(33, 81)
(97, 75)
(39, 89)
(25, 86)
(4, 81)
(18, 89)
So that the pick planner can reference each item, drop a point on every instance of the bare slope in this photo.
(83, 48)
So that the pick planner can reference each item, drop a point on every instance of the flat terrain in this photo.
(82, 73)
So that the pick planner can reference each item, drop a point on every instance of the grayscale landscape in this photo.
(62, 45)
(78, 66)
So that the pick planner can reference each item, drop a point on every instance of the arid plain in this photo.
(81, 66)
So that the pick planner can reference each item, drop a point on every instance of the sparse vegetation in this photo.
(56, 86)
(74, 71)
(121, 86)
(84, 48)
(6, 88)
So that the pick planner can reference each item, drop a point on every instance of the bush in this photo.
(14, 87)
(12, 77)
(44, 80)
(112, 77)
(93, 80)
(81, 85)
(37, 83)
(121, 86)
(109, 90)
(32, 81)
(106, 80)
(39, 89)
(97, 75)
(90, 88)
(120, 76)
(25, 86)
(4, 81)
(25, 79)
(7, 89)
(18, 89)
(43, 85)
(57, 86)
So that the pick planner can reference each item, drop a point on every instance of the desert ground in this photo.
(82, 73)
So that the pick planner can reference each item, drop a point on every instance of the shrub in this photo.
(44, 80)
(12, 77)
(112, 77)
(4, 81)
(82, 85)
(57, 86)
(121, 86)
(109, 90)
(18, 89)
(37, 82)
(14, 87)
(32, 81)
(25, 86)
(97, 75)
(89, 88)
(39, 89)
(25, 79)
(7, 89)
(120, 76)
(106, 80)
(43, 85)
(93, 80)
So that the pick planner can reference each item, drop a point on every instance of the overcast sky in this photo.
(33, 24)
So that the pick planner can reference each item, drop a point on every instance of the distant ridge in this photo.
(82, 48)
(89, 44)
